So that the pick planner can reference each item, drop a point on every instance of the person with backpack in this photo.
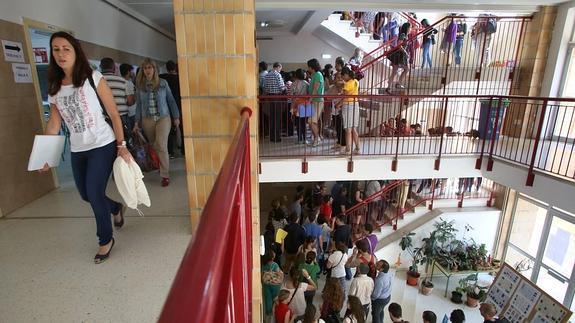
(428, 41)
(481, 36)
(282, 312)
(360, 256)
(362, 287)
(297, 289)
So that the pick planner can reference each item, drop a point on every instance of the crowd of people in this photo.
(315, 240)
(317, 113)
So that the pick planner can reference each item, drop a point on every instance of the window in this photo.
(569, 85)
(519, 261)
(527, 227)
(560, 249)
(552, 283)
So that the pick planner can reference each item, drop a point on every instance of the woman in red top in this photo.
(325, 208)
(282, 312)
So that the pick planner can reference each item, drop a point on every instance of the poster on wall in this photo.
(13, 51)
(22, 73)
(40, 55)
(519, 300)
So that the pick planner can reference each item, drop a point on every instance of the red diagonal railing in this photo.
(362, 212)
(214, 283)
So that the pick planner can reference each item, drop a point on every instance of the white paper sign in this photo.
(13, 51)
(22, 73)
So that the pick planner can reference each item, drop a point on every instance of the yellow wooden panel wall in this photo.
(217, 63)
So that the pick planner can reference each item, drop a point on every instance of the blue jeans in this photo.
(377, 306)
(457, 51)
(91, 171)
(426, 54)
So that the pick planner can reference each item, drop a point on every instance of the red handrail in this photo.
(213, 283)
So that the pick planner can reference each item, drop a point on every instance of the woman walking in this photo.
(81, 97)
(155, 108)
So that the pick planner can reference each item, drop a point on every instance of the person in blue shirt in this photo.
(312, 229)
(381, 292)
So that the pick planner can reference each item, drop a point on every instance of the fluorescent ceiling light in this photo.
(325, 56)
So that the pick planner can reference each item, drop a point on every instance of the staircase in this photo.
(482, 71)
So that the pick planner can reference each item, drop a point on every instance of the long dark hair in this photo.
(81, 71)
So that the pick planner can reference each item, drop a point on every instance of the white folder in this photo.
(46, 149)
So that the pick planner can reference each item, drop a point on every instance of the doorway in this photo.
(38, 44)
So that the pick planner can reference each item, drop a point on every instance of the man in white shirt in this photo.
(362, 287)
(123, 96)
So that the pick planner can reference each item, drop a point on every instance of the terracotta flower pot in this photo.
(412, 278)
(426, 290)
(471, 302)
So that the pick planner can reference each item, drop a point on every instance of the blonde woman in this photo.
(156, 110)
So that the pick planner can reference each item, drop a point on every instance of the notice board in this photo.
(519, 300)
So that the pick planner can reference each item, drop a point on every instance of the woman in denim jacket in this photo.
(156, 110)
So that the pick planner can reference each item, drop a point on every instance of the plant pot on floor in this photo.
(412, 278)
(472, 301)
(456, 297)
(426, 287)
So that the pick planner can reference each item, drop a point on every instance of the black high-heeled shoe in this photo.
(121, 213)
(98, 259)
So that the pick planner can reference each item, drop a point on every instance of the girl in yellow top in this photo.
(350, 109)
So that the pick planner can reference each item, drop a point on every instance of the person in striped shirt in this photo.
(123, 93)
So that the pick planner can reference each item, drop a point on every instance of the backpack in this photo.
(332, 317)
(490, 26)
(372, 271)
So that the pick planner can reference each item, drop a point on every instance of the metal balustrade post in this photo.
(479, 160)
(531, 174)
(432, 194)
(444, 117)
(493, 133)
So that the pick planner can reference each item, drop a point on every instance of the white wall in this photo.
(297, 49)
(95, 22)
(366, 168)
(485, 223)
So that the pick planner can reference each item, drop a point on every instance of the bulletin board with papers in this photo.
(519, 300)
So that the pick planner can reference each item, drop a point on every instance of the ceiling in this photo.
(295, 14)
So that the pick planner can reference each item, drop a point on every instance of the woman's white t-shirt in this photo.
(81, 111)
(338, 269)
(297, 304)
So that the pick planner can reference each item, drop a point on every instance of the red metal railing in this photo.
(214, 282)
(372, 209)
(535, 132)
(389, 205)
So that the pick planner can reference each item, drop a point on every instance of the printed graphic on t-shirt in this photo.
(75, 112)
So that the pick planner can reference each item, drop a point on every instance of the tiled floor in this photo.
(46, 249)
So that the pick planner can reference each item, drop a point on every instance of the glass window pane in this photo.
(569, 87)
(560, 249)
(527, 226)
(552, 285)
(518, 261)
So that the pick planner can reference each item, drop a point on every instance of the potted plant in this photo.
(406, 243)
(426, 287)
(475, 294)
(457, 294)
